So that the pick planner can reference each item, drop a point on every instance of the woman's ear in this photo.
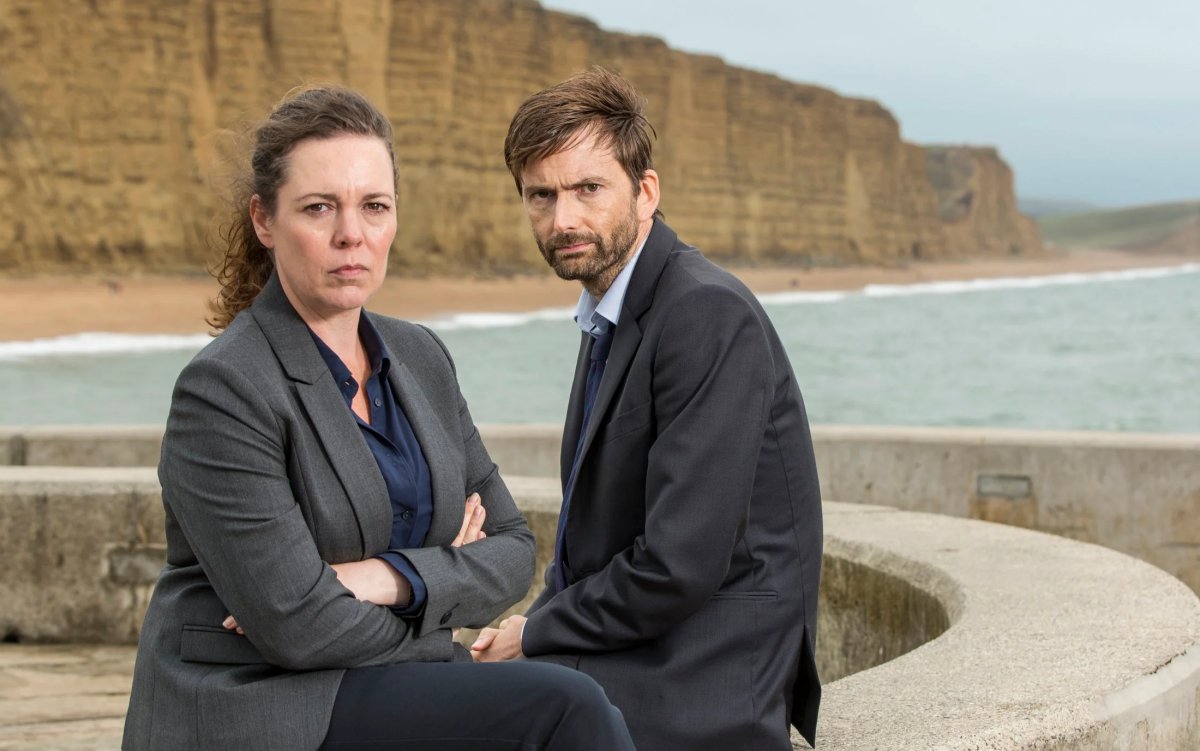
(262, 222)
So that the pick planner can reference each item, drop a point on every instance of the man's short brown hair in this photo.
(595, 101)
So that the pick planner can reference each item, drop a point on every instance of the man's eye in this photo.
(591, 188)
(378, 207)
(539, 195)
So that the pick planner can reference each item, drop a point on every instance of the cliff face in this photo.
(114, 118)
(976, 202)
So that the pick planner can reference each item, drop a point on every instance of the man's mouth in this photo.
(568, 250)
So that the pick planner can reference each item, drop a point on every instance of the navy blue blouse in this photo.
(397, 452)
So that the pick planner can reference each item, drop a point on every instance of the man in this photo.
(689, 545)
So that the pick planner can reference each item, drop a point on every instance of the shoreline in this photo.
(52, 306)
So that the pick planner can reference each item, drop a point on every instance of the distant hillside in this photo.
(1040, 207)
(1160, 228)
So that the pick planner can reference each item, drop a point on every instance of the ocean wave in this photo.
(95, 343)
(978, 285)
(1026, 282)
(116, 344)
(497, 320)
(799, 298)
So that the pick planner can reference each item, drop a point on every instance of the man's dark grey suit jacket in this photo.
(266, 480)
(694, 532)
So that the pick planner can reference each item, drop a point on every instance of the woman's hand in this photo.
(377, 582)
(472, 526)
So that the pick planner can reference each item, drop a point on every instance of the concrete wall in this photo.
(92, 446)
(1136, 493)
(1053, 645)
(80, 549)
(936, 632)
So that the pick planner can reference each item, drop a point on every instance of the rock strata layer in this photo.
(118, 122)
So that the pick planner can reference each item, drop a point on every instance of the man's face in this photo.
(585, 215)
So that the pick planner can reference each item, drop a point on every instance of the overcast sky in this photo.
(1095, 101)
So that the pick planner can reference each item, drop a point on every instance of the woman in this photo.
(313, 469)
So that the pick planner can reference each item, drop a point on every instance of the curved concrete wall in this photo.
(949, 633)
(936, 632)
(1136, 493)
(1053, 644)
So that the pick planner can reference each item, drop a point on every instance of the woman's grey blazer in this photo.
(266, 481)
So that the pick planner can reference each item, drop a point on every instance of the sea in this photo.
(1115, 351)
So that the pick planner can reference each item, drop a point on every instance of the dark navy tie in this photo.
(600, 347)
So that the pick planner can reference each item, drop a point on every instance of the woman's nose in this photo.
(348, 230)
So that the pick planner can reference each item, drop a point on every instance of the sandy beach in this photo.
(42, 307)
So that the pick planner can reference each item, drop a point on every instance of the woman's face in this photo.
(334, 221)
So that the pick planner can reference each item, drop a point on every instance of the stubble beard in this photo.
(596, 270)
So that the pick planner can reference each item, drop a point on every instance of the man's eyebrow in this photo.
(534, 187)
(588, 181)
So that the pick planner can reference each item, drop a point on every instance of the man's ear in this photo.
(647, 199)
(262, 222)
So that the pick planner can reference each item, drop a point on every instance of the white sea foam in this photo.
(1026, 282)
(797, 298)
(95, 343)
(980, 285)
(498, 320)
(115, 344)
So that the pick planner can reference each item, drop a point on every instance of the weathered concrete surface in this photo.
(871, 613)
(83, 446)
(1136, 493)
(524, 450)
(65, 697)
(1056, 646)
(1052, 644)
(80, 549)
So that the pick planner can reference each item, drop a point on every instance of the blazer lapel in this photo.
(328, 416)
(570, 439)
(638, 296)
(624, 345)
(446, 476)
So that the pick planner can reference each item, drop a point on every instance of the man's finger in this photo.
(485, 639)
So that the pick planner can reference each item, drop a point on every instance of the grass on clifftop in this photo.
(1137, 228)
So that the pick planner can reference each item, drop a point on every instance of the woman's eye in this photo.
(378, 207)
(317, 208)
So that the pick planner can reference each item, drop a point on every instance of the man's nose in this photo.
(567, 214)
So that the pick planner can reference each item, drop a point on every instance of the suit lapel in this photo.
(638, 296)
(624, 345)
(446, 481)
(329, 418)
(570, 439)
(351, 459)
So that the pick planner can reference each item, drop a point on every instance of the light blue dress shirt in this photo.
(595, 316)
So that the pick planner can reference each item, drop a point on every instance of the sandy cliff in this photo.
(114, 119)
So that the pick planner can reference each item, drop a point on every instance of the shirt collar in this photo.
(377, 356)
(595, 316)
